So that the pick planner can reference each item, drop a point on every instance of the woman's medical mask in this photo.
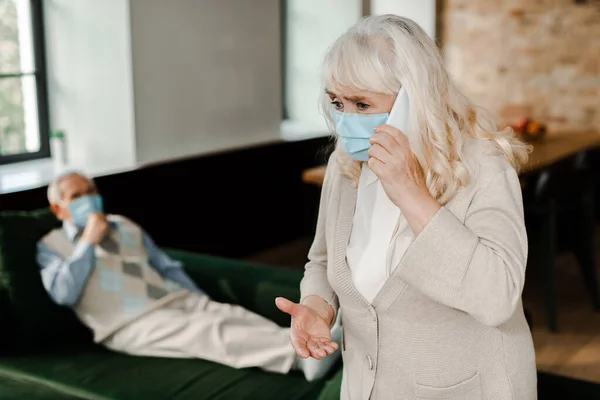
(83, 207)
(356, 130)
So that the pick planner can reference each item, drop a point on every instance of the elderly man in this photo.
(137, 300)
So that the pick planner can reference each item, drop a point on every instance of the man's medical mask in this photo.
(83, 207)
(355, 130)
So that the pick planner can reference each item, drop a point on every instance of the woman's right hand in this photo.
(310, 332)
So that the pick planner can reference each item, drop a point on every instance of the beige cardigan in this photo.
(449, 322)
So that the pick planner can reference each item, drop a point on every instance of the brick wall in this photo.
(534, 57)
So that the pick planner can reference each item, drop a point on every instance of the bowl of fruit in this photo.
(529, 130)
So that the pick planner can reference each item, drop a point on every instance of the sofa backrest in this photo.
(29, 320)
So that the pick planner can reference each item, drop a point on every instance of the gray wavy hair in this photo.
(384, 53)
(54, 192)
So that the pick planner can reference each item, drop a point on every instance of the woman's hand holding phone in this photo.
(398, 169)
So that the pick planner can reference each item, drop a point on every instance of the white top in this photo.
(380, 236)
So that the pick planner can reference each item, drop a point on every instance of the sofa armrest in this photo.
(251, 285)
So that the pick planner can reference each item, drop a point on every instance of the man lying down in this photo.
(137, 300)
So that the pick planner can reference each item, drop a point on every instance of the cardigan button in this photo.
(373, 313)
(369, 362)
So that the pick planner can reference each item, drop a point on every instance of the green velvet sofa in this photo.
(45, 353)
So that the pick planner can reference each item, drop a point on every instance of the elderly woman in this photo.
(420, 240)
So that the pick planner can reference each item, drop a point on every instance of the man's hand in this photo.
(96, 228)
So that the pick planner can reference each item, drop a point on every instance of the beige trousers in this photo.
(196, 327)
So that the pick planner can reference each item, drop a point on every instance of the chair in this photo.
(559, 204)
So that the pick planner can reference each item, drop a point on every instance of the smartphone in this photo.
(398, 117)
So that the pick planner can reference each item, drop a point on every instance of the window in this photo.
(309, 27)
(23, 99)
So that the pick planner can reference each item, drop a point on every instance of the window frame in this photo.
(39, 73)
(283, 37)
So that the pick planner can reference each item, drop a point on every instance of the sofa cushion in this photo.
(17, 389)
(35, 322)
(333, 387)
(100, 374)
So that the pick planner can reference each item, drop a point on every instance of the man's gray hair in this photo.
(54, 192)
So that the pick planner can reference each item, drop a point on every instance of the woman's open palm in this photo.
(310, 333)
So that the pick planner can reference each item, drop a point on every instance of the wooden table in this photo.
(550, 150)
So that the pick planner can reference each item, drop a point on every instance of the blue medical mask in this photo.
(355, 130)
(83, 207)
